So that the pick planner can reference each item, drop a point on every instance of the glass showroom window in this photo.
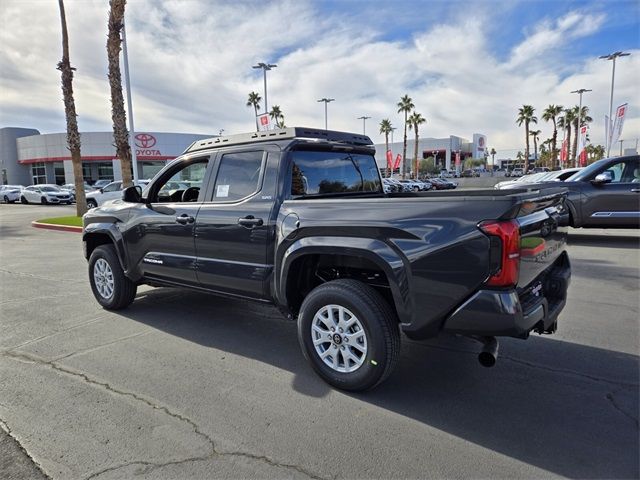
(38, 173)
(58, 169)
(86, 172)
(105, 171)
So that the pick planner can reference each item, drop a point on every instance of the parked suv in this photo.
(112, 191)
(298, 218)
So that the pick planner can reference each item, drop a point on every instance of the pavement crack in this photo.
(5, 426)
(150, 466)
(98, 347)
(612, 400)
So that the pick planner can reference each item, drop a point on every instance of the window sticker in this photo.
(222, 191)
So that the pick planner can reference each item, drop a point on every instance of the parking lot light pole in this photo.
(265, 67)
(579, 92)
(393, 129)
(326, 101)
(364, 124)
(611, 56)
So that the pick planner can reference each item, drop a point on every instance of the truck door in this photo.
(617, 203)
(162, 244)
(234, 229)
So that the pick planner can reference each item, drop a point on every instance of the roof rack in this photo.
(280, 134)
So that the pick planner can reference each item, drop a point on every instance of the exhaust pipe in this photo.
(489, 354)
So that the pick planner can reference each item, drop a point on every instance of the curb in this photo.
(53, 226)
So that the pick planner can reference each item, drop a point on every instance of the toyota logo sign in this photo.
(145, 140)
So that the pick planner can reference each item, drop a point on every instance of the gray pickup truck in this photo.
(298, 218)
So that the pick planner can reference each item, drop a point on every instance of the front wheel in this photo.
(112, 289)
(6, 199)
(91, 203)
(43, 200)
(23, 200)
(349, 334)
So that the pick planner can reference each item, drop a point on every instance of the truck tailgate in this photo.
(543, 234)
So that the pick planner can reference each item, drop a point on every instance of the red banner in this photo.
(457, 160)
(389, 159)
(397, 162)
(563, 152)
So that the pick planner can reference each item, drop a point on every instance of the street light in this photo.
(326, 101)
(364, 124)
(580, 92)
(611, 56)
(393, 129)
(265, 67)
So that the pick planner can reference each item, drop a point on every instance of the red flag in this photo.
(389, 159)
(398, 160)
(583, 158)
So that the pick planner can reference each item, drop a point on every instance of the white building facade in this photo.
(28, 157)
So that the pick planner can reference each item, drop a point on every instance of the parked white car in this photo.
(10, 193)
(112, 191)
(45, 194)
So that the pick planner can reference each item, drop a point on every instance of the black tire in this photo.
(24, 201)
(416, 189)
(124, 290)
(43, 200)
(378, 320)
(91, 203)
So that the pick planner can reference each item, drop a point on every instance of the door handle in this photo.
(250, 221)
(184, 219)
(635, 189)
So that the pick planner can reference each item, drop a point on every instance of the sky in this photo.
(467, 65)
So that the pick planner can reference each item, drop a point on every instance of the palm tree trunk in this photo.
(415, 155)
(118, 114)
(386, 152)
(568, 144)
(554, 152)
(73, 136)
(404, 148)
(535, 148)
(526, 150)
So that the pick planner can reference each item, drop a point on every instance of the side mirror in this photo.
(602, 178)
(132, 194)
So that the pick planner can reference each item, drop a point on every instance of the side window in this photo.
(616, 171)
(112, 187)
(238, 176)
(184, 185)
(631, 172)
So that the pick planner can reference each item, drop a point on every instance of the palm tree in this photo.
(386, 128)
(277, 115)
(415, 120)
(254, 101)
(526, 116)
(73, 136)
(118, 114)
(405, 105)
(493, 158)
(577, 122)
(551, 114)
(535, 134)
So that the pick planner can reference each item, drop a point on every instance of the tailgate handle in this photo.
(250, 221)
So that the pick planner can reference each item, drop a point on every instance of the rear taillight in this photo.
(505, 252)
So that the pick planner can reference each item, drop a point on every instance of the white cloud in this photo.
(191, 69)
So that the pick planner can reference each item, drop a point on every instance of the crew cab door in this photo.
(616, 203)
(162, 243)
(234, 228)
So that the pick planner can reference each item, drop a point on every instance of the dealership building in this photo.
(443, 150)
(28, 157)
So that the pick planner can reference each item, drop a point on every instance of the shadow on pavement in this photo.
(567, 408)
(594, 240)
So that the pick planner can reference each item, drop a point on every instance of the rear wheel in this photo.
(349, 334)
(6, 199)
(91, 203)
(112, 289)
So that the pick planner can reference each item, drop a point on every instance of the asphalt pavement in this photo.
(186, 385)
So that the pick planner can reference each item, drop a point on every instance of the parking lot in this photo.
(186, 385)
